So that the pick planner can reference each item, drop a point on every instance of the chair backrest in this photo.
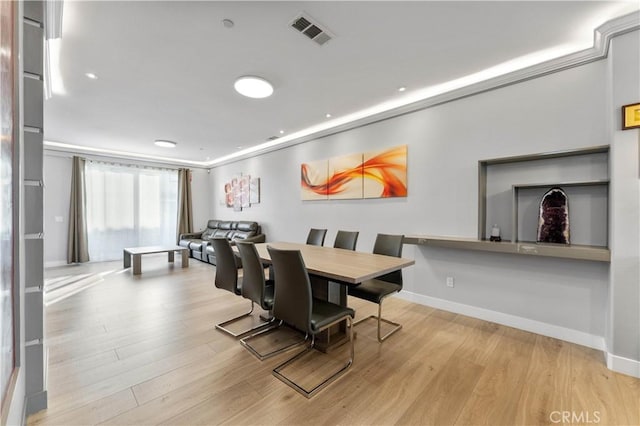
(292, 295)
(316, 237)
(226, 270)
(253, 281)
(346, 240)
(390, 245)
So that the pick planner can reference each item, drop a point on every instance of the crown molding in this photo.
(125, 155)
(600, 50)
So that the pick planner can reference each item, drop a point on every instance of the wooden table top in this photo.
(348, 266)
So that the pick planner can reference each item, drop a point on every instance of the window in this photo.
(129, 207)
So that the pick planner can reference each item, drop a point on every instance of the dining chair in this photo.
(316, 237)
(260, 290)
(293, 303)
(377, 289)
(227, 279)
(346, 240)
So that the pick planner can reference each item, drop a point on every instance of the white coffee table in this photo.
(137, 252)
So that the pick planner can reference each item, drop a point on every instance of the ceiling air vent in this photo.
(315, 32)
(272, 138)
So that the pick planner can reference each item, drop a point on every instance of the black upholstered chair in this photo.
(259, 290)
(254, 285)
(346, 240)
(293, 303)
(316, 237)
(227, 279)
(376, 290)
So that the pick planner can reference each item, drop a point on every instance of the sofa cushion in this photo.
(220, 233)
(213, 224)
(247, 227)
(184, 243)
(227, 226)
(207, 234)
(239, 235)
(198, 245)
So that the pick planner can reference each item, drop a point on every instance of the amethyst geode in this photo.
(553, 220)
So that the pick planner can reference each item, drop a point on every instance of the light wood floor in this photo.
(143, 350)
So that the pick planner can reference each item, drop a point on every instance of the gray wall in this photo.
(561, 111)
(623, 337)
(57, 177)
(29, 394)
(35, 351)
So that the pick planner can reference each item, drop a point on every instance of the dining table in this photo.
(332, 271)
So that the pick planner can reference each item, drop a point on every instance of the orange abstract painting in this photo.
(385, 173)
(314, 180)
(379, 174)
(345, 177)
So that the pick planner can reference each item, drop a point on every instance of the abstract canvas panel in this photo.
(254, 191)
(244, 182)
(314, 180)
(385, 173)
(345, 177)
(377, 174)
(237, 195)
(228, 194)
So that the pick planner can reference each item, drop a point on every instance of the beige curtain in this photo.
(185, 209)
(77, 245)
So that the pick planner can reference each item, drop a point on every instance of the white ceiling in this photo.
(166, 69)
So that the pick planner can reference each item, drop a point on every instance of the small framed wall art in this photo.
(631, 116)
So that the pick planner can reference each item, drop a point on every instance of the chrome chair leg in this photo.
(310, 393)
(245, 342)
(379, 318)
(222, 326)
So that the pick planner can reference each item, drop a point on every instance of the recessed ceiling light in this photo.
(401, 89)
(165, 143)
(253, 87)
(282, 132)
(238, 147)
(228, 23)
(327, 115)
(91, 75)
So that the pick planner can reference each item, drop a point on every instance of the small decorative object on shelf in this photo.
(553, 219)
(631, 116)
(495, 234)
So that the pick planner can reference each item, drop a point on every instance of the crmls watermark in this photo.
(582, 417)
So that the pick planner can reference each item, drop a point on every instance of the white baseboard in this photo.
(526, 324)
(623, 365)
(55, 263)
(615, 363)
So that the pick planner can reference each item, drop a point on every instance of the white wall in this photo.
(565, 110)
(57, 178)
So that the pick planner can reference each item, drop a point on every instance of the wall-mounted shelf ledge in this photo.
(592, 253)
(602, 182)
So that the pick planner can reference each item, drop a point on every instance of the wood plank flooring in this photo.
(143, 350)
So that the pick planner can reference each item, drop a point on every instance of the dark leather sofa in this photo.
(199, 243)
